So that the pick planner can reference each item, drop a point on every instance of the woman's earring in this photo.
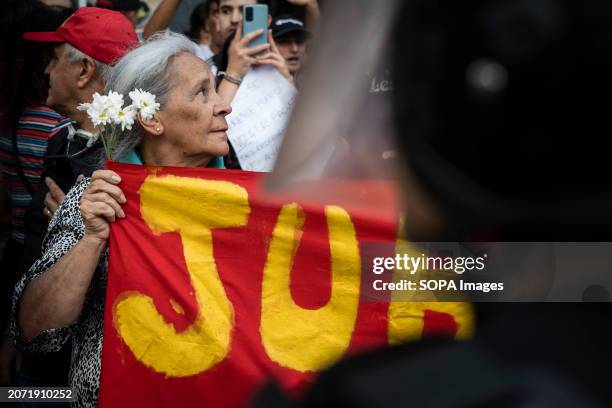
(157, 130)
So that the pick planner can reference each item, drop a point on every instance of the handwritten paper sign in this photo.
(260, 112)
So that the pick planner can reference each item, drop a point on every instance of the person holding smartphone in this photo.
(239, 54)
(243, 49)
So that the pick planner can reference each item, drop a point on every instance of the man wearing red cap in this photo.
(88, 42)
(86, 45)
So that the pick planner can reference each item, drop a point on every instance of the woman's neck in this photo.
(161, 154)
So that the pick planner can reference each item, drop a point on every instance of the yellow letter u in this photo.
(304, 339)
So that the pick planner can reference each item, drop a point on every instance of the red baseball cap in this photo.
(102, 34)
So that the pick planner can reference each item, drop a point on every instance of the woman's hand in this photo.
(100, 204)
(274, 58)
(241, 57)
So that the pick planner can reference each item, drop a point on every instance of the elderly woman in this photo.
(63, 293)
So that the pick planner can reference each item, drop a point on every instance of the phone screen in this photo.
(255, 17)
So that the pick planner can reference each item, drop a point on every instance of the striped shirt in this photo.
(35, 127)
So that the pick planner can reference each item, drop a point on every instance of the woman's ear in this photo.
(153, 126)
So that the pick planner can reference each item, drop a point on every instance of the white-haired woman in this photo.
(62, 295)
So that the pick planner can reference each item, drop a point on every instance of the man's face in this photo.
(292, 47)
(230, 14)
(212, 27)
(63, 77)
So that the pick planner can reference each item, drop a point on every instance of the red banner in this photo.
(215, 288)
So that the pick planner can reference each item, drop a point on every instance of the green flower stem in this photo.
(106, 148)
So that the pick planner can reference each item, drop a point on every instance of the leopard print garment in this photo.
(65, 230)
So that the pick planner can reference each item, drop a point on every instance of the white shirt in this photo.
(203, 51)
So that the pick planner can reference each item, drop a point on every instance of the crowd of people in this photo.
(54, 59)
(481, 94)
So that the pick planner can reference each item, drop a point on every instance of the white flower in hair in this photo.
(144, 102)
(108, 110)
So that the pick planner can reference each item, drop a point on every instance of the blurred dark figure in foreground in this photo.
(500, 111)
(499, 108)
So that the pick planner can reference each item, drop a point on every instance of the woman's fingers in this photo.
(100, 204)
(101, 186)
(108, 200)
(107, 175)
(93, 210)
(102, 199)
(103, 210)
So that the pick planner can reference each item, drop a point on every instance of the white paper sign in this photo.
(260, 112)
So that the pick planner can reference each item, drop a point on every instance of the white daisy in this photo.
(114, 104)
(98, 110)
(145, 103)
(126, 117)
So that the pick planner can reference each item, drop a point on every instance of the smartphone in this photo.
(255, 17)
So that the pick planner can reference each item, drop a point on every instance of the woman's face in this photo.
(194, 116)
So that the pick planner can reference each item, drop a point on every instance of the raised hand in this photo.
(274, 58)
(241, 56)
